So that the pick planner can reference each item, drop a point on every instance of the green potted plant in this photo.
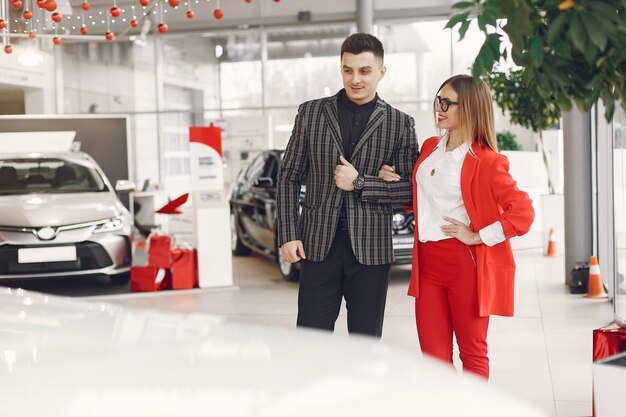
(507, 141)
(533, 112)
(568, 50)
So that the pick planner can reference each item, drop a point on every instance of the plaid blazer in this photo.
(310, 159)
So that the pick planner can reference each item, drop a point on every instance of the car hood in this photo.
(101, 359)
(39, 210)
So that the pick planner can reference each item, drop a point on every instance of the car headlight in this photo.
(111, 225)
(398, 221)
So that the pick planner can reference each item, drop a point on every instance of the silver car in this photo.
(60, 216)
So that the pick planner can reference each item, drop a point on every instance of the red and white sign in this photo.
(207, 171)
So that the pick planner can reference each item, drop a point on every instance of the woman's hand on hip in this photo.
(460, 231)
(388, 173)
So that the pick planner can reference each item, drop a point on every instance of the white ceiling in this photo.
(237, 14)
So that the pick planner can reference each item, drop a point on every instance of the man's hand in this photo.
(388, 173)
(292, 251)
(345, 174)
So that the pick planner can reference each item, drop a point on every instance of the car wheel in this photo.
(120, 279)
(288, 271)
(236, 245)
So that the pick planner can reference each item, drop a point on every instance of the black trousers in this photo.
(323, 284)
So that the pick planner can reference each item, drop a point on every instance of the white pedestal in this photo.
(609, 379)
(212, 231)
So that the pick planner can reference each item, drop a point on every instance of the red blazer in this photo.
(489, 194)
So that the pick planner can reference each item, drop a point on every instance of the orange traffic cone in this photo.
(595, 287)
(551, 244)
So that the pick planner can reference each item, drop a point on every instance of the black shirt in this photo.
(352, 121)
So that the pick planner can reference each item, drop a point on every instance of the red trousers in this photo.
(448, 303)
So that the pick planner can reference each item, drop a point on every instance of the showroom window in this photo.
(619, 215)
(241, 81)
(303, 64)
(187, 80)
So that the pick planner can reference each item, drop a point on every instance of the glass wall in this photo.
(619, 214)
(179, 82)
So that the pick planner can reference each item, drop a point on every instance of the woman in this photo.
(466, 208)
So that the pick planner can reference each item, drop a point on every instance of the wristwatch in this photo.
(359, 182)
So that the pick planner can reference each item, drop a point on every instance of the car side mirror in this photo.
(124, 185)
(264, 182)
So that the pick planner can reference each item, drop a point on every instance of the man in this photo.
(343, 233)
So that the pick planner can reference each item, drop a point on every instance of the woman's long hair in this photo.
(475, 110)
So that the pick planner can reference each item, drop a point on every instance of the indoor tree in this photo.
(568, 50)
(525, 108)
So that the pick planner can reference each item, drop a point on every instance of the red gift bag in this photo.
(147, 278)
(184, 269)
(159, 251)
(608, 341)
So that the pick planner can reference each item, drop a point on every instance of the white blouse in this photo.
(439, 194)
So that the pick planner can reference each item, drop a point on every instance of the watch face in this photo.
(358, 183)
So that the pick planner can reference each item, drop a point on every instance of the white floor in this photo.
(542, 355)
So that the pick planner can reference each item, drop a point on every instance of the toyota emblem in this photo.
(46, 233)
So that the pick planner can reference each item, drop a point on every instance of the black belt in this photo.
(343, 224)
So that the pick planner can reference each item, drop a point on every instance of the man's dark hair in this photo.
(363, 42)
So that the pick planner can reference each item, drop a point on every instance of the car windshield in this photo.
(48, 175)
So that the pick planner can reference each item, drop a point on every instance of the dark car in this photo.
(253, 215)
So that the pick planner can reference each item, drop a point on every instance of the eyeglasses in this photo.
(444, 104)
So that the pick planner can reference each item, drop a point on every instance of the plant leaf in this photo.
(482, 24)
(603, 11)
(609, 104)
(555, 75)
(577, 32)
(463, 5)
(536, 50)
(555, 28)
(463, 29)
(596, 31)
(562, 48)
(564, 103)
(457, 18)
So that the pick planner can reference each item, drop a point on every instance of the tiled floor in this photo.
(542, 355)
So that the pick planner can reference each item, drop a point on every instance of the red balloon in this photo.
(190, 14)
(84, 30)
(134, 23)
(17, 4)
(57, 17)
(248, 1)
(41, 3)
(162, 27)
(28, 15)
(109, 36)
(56, 40)
(115, 11)
(8, 49)
(276, 1)
(50, 5)
(144, 3)
(174, 3)
(218, 13)
(32, 35)
(85, 6)
(3, 24)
